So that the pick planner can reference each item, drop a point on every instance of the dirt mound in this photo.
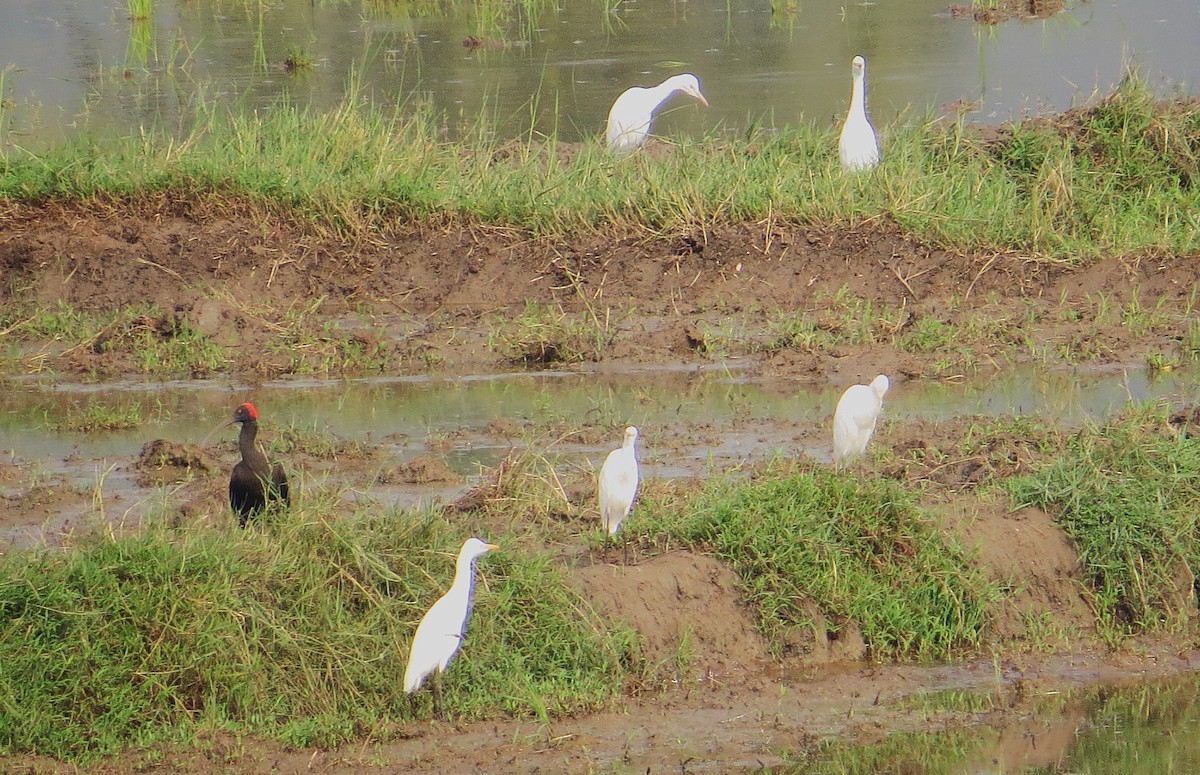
(684, 606)
(1186, 420)
(1037, 566)
(166, 462)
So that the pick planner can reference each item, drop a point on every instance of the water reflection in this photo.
(414, 409)
(1142, 730)
(557, 67)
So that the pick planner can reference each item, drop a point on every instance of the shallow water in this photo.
(1150, 729)
(557, 67)
(411, 413)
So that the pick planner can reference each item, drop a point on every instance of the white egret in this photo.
(444, 625)
(854, 420)
(619, 483)
(630, 116)
(857, 145)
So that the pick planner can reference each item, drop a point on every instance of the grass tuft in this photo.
(1125, 493)
(852, 549)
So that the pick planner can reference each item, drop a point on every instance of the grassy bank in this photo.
(299, 630)
(1125, 493)
(45, 337)
(821, 549)
(1113, 179)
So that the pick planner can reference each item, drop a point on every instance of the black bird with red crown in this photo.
(254, 481)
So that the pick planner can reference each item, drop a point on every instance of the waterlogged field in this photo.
(758, 609)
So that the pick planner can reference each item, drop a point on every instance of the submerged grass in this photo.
(97, 417)
(298, 631)
(851, 549)
(1113, 179)
(1125, 493)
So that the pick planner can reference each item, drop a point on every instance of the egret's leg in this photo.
(436, 685)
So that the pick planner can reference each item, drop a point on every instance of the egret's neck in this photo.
(662, 92)
(858, 97)
(464, 576)
(463, 587)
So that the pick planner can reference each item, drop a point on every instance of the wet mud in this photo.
(430, 299)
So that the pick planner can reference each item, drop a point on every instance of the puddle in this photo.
(409, 412)
(691, 421)
(1141, 730)
(557, 68)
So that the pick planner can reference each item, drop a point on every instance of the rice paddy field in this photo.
(446, 332)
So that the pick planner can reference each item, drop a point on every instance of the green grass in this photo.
(1125, 493)
(542, 335)
(929, 753)
(1113, 179)
(142, 338)
(298, 632)
(320, 443)
(857, 549)
(298, 59)
(140, 10)
(96, 417)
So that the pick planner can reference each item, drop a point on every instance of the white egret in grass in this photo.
(444, 625)
(619, 483)
(854, 420)
(858, 145)
(630, 116)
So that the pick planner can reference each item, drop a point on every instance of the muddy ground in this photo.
(432, 299)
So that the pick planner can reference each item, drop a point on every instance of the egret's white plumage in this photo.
(630, 116)
(854, 420)
(858, 145)
(619, 483)
(443, 626)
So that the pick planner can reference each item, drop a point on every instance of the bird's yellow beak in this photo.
(491, 547)
(700, 97)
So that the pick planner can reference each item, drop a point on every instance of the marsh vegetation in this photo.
(357, 241)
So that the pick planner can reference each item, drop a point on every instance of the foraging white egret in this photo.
(857, 145)
(619, 483)
(444, 625)
(855, 418)
(630, 116)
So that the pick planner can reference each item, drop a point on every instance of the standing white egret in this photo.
(444, 625)
(619, 483)
(858, 146)
(854, 420)
(630, 116)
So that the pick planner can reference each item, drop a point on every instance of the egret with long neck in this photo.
(631, 114)
(858, 147)
(443, 627)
